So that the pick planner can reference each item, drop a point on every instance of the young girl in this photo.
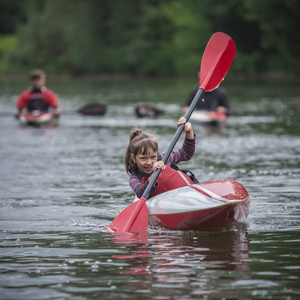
(142, 159)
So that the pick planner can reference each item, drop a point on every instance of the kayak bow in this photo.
(37, 119)
(211, 205)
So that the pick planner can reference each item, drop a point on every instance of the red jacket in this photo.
(37, 100)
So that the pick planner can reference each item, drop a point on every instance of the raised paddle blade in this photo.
(216, 61)
(133, 218)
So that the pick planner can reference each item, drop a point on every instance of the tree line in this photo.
(146, 37)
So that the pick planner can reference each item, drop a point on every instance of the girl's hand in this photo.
(158, 165)
(187, 127)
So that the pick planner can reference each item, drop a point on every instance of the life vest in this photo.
(170, 179)
(37, 101)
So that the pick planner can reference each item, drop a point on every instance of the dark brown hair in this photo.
(139, 143)
(36, 74)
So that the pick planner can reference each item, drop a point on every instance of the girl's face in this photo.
(145, 161)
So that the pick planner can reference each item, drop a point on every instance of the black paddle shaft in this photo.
(173, 142)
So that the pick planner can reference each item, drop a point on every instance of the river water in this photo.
(60, 186)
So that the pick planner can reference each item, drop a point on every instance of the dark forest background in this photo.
(146, 37)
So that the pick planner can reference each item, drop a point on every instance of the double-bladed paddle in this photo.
(90, 109)
(216, 61)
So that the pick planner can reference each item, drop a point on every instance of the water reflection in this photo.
(201, 262)
(210, 129)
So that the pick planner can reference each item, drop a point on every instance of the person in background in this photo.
(37, 97)
(142, 159)
(215, 100)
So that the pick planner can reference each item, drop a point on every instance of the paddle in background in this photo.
(216, 61)
(90, 109)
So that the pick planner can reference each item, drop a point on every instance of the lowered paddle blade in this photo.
(133, 218)
(216, 61)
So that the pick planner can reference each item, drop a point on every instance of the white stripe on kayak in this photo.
(184, 178)
(217, 197)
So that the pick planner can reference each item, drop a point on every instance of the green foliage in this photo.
(148, 36)
(189, 36)
(279, 23)
(11, 14)
(7, 43)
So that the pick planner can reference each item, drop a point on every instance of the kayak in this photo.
(200, 117)
(210, 205)
(37, 118)
(208, 117)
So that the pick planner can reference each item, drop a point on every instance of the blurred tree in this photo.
(150, 36)
(229, 16)
(75, 36)
(191, 32)
(279, 23)
(149, 50)
(56, 36)
(11, 14)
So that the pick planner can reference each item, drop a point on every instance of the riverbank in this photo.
(266, 77)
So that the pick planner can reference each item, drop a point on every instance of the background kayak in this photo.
(38, 119)
(208, 117)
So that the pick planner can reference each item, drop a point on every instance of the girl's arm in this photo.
(138, 186)
(187, 150)
(184, 153)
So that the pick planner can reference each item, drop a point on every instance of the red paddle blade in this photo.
(216, 61)
(133, 218)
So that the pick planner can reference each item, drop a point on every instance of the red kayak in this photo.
(210, 205)
(37, 118)
(208, 117)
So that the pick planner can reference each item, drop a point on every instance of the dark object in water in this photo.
(93, 109)
(143, 111)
